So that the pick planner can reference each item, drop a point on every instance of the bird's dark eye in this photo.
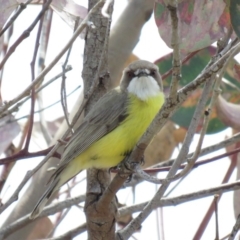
(153, 72)
(130, 74)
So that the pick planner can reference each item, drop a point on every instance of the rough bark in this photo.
(133, 19)
(100, 222)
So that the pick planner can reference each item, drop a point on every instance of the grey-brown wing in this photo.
(108, 112)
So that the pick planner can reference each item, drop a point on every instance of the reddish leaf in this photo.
(236, 71)
(190, 70)
(201, 23)
(68, 10)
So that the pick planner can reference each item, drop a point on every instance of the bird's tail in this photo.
(44, 199)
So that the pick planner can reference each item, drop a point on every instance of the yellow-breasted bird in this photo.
(112, 128)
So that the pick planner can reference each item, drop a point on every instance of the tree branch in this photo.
(166, 111)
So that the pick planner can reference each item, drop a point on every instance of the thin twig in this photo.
(210, 211)
(39, 78)
(136, 180)
(182, 155)
(49, 210)
(41, 64)
(71, 233)
(225, 143)
(28, 175)
(53, 150)
(25, 34)
(33, 94)
(193, 159)
(47, 107)
(93, 86)
(166, 111)
(176, 63)
(184, 198)
(215, 95)
(15, 108)
(233, 163)
(225, 237)
(63, 85)
(184, 150)
(25, 155)
(197, 164)
(142, 174)
(174, 201)
(21, 7)
(216, 198)
(186, 59)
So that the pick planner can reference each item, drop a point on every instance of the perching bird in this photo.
(112, 128)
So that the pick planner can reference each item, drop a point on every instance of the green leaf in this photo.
(190, 70)
(235, 16)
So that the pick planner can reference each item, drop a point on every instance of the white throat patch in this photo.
(144, 87)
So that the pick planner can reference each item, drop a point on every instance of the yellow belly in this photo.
(112, 148)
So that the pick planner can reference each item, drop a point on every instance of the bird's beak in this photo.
(142, 73)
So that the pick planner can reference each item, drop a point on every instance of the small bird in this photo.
(112, 127)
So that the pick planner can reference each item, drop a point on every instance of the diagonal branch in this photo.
(25, 34)
(166, 111)
(39, 78)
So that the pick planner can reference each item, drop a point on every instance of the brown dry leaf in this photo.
(162, 146)
(41, 229)
(179, 134)
(124, 220)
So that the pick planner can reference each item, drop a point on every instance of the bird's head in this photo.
(142, 79)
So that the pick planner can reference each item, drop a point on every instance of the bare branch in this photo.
(72, 233)
(174, 201)
(225, 143)
(29, 174)
(63, 85)
(38, 79)
(25, 34)
(20, 103)
(22, 6)
(210, 210)
(176, 63)
(49, 210)
(216, 199)
(165, 112)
